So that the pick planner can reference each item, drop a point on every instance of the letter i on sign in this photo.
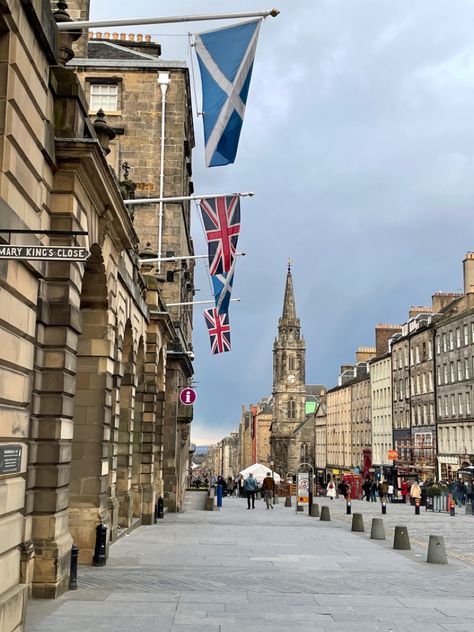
(187, 396)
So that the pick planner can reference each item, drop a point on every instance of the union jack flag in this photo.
(219, 330)
(221, 217)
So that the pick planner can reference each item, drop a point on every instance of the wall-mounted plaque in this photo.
(10, 459)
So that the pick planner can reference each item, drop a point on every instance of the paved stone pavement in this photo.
(236, 570)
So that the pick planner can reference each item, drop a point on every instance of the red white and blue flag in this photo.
(221, 217)
(219, 330)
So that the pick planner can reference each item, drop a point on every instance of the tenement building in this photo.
(454, 352)
(91, 357)
(381, 403)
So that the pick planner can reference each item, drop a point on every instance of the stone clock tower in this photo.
(288, 385)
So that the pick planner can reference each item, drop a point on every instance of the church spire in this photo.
(289, 309)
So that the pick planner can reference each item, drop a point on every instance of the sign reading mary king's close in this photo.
(44, 253)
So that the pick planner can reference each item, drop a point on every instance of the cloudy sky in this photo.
(358, 142)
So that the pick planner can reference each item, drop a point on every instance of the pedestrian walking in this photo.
(468, 488)
(390, 493)
(404, 490)
(383, 491)
(331, 490)
(230, 486)
(241, 485)
(344, 490)
(268, 487)
(415, 491)
(459, 493)
(373, 491)
(250, 487)
(366, 486)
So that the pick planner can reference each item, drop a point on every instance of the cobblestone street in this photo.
(245, 571)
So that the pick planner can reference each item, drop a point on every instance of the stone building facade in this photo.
(339, 428)
(120, 75)
(90, 356)
(361, 423)
(401, 390)
(288, 385)
(454, 353)
(381, 402)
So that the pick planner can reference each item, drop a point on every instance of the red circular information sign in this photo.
(187, 396)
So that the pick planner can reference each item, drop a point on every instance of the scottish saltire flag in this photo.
(219, 330)
(222, 284)
(221, 217)
(226, 61)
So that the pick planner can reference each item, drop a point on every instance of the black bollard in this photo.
(384, 508)
(161, 508)
(417, 506)
(100, 550)
(73, 571)
(452, 508)
(348, 508)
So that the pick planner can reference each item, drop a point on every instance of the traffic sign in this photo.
(187, 396)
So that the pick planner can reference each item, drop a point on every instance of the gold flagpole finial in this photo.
(290, 263)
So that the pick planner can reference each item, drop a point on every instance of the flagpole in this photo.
(157, 259)
(184, 198)
(172, 19)
(232, 300)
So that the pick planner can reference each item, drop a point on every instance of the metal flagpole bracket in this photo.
(184, 198)
(232, 300)
(172, 19)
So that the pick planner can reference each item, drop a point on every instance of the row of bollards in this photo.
(401, 539)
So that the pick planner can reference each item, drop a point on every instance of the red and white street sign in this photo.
(187, 396)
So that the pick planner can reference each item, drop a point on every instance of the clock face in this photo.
(291, 378)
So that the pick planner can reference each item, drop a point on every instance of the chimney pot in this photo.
(90, 34)
(139, 37)
(115, 36)
(98, 35)
(147, 39)
(131, 37)
(123, 36)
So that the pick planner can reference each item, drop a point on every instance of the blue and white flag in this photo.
(226, 61)
(222, 284)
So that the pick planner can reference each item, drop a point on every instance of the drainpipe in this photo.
(163, 82)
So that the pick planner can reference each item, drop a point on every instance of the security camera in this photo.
(191, 355)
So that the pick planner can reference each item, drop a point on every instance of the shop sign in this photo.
(448, 460)
(392, 455)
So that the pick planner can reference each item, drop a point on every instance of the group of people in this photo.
(248, 488)
(372, 489)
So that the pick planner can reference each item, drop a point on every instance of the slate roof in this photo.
(101, 49)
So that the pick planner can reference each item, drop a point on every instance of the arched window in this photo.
(291, 364)
(291, 409)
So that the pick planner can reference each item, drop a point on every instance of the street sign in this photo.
(44, 253)
(303, 488)
(392, 455)
(187, 396)
(10, 459)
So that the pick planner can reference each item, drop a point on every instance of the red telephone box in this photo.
(355, 485)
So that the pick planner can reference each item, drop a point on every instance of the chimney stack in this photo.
(468, 273)
(383, 333)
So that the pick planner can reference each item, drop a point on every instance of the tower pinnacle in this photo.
(289, 309)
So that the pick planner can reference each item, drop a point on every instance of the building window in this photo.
(291, 363)
(466, 367)
(460, 404)
(104, 96)
(438, 344)
(451, 340)
(453, 405)
(430, 350)
(440, 407)
(423, 383)
(459, 371)
(458, 337)
(466, 335)
(431, 413)
(468, 403)
(291, 409)
(451, 367)
(438, 375)
(446, 406)
(472, 332)
(445, 346)
(430, 378)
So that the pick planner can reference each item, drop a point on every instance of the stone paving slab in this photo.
(260, 571)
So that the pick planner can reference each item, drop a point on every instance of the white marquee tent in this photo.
(259, 472)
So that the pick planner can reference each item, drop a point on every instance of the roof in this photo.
(314, 389)
(111, 50)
